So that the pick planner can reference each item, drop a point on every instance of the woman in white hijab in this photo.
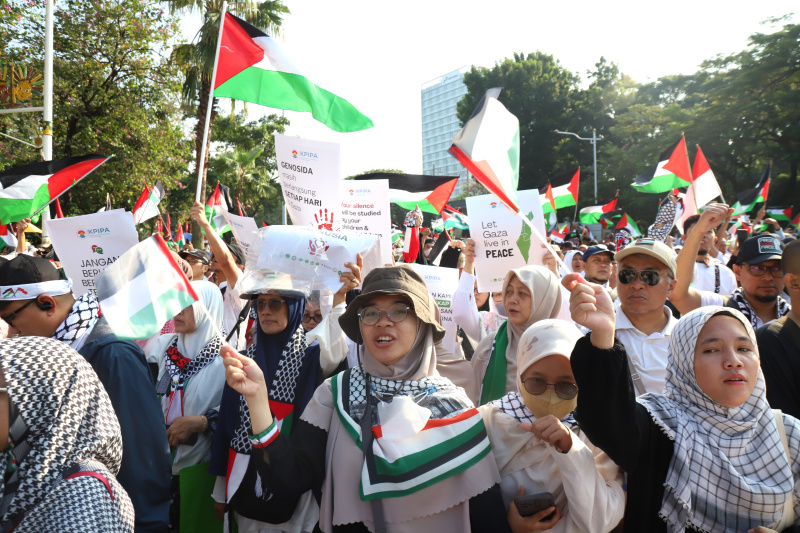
(707, 455)
(538, 445)
(573, 262)
(191, 377)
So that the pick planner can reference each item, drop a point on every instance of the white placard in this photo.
(365, 209)
(244, 229)
(87, 244)
(442, 283)
(502, 239)
(309, 173)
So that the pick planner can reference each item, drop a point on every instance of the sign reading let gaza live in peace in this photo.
(502, 239)
(87, 244)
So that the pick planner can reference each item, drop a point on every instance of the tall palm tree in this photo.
(196, 59)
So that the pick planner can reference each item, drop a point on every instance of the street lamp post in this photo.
(593, 139)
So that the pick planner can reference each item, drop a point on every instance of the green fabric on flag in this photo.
(15, 209)
(140, 325)
(197, 506)
(210, 214)
(424, 205)
(494, 382)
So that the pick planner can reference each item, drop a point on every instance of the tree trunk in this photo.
(202, 106)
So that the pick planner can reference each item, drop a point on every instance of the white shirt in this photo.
(232, 305)
(705, 278)
(647, 353)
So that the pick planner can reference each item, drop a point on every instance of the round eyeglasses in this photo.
(370, 315)
(564, 389)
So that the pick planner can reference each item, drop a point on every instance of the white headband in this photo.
(26, 291)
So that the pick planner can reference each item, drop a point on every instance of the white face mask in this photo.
(548, 403)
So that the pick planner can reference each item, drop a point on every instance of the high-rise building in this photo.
(440, 124)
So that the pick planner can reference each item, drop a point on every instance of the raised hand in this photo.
(243, 374)
(198, 214)
(469, 256)
(551, 430)
(350, 280)
(590, 306)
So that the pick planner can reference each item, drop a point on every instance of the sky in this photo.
(378, 54)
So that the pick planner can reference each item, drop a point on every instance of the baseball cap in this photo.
(197, 254)
(653, 248)
(597, 249)
(237, 253)
(760, 248)
(26, 277)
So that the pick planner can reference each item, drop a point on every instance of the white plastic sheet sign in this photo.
(244, 229)
(502, 239)
(365, 209)
(87, 244)
(442, 283)
(309, 173)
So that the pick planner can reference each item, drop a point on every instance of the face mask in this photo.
(548, 403)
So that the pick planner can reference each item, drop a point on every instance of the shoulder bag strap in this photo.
(788, 508)
(637, 380)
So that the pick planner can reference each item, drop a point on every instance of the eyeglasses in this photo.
(274, 304)
(309, 318)
(197, 262)
(648, 277)
(370, 315)
(9, 319)
(564, 389)
(760, 270)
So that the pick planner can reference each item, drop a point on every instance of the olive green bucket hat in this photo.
(402, 280)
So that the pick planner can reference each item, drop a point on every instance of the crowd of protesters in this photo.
(639, 384)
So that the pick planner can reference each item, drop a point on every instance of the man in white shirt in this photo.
(646, 277)
(709, 272)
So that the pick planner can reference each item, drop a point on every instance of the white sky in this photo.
(377, 54)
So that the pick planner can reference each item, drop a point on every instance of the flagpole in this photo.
(201, 163)
(65, 190)
(691, 177)
(47, 104)
(544, 240)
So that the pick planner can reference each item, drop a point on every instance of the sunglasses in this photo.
(274, 305)
(760, 270)
(564, 389)
(370, 315)
(10, 318)
(648, 277)
(310, 318)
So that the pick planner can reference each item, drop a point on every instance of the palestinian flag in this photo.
(454, 219)
(547, 200)
(629, 224)
(430, 193)
(781, 214)
(7, 236)
(795, 223)
(592, 214)
(216, 206)
(147, 205)
(559, 233)
(27, 189)
(143, 289)
(704, 188)
(611, 218)
(565, 188)
(746, 201)
(252, 67)
(488, 147)
(180, 240)
(671, 172)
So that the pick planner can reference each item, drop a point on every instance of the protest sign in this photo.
(442, 283)
(309, 175)
(502, 240)
(365, 209)
(244, 229)
(87, 244)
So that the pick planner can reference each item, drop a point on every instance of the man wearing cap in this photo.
(709, 272)
(35, 300)
(199, 261)
(645, 279)
(758, 270)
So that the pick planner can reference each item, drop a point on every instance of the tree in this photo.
(196, 59)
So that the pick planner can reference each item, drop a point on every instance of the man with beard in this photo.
(758, 269)
(709, 273)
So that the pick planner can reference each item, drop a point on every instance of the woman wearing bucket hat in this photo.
(395, 446)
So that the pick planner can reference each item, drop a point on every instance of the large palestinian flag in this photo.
(592, 214)
(25, 190)
(488, 146)
(430, 193)
(671, 172)
(746, 201)
(252, 67)
(565, 188)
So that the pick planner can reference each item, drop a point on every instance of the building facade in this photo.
(440, 124)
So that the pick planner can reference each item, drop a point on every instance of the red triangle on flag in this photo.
(700, 164)
(574, 184)
(678, 162)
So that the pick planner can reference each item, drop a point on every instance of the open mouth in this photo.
(383, 340)
(736, 380)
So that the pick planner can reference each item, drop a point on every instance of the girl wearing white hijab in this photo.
(191, 377)
(573, 262)
(707, 455)
(537, 443)
(410, 456)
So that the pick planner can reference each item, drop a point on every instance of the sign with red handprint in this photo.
(324, 220)
(318, 247)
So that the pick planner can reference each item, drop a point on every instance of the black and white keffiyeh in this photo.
(80, 321)
(69, 428)
(179, 368)
(750, 313)
(665, 220)
(729, 470)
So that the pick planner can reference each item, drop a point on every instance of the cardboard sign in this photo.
(87, 244)
(442, 283)
(309, 173)
(365, 209)
(244, 229)
(502, 239)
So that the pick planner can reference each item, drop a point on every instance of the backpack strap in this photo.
(96, 475)
(787, 519)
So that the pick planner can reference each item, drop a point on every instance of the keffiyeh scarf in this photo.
(179, 368)
(729, 470)
(80, 321)
(750, 313)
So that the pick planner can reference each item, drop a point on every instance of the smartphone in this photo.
(532, 504)
(741, 235)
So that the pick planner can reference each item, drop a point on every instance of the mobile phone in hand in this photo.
(532, 504)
